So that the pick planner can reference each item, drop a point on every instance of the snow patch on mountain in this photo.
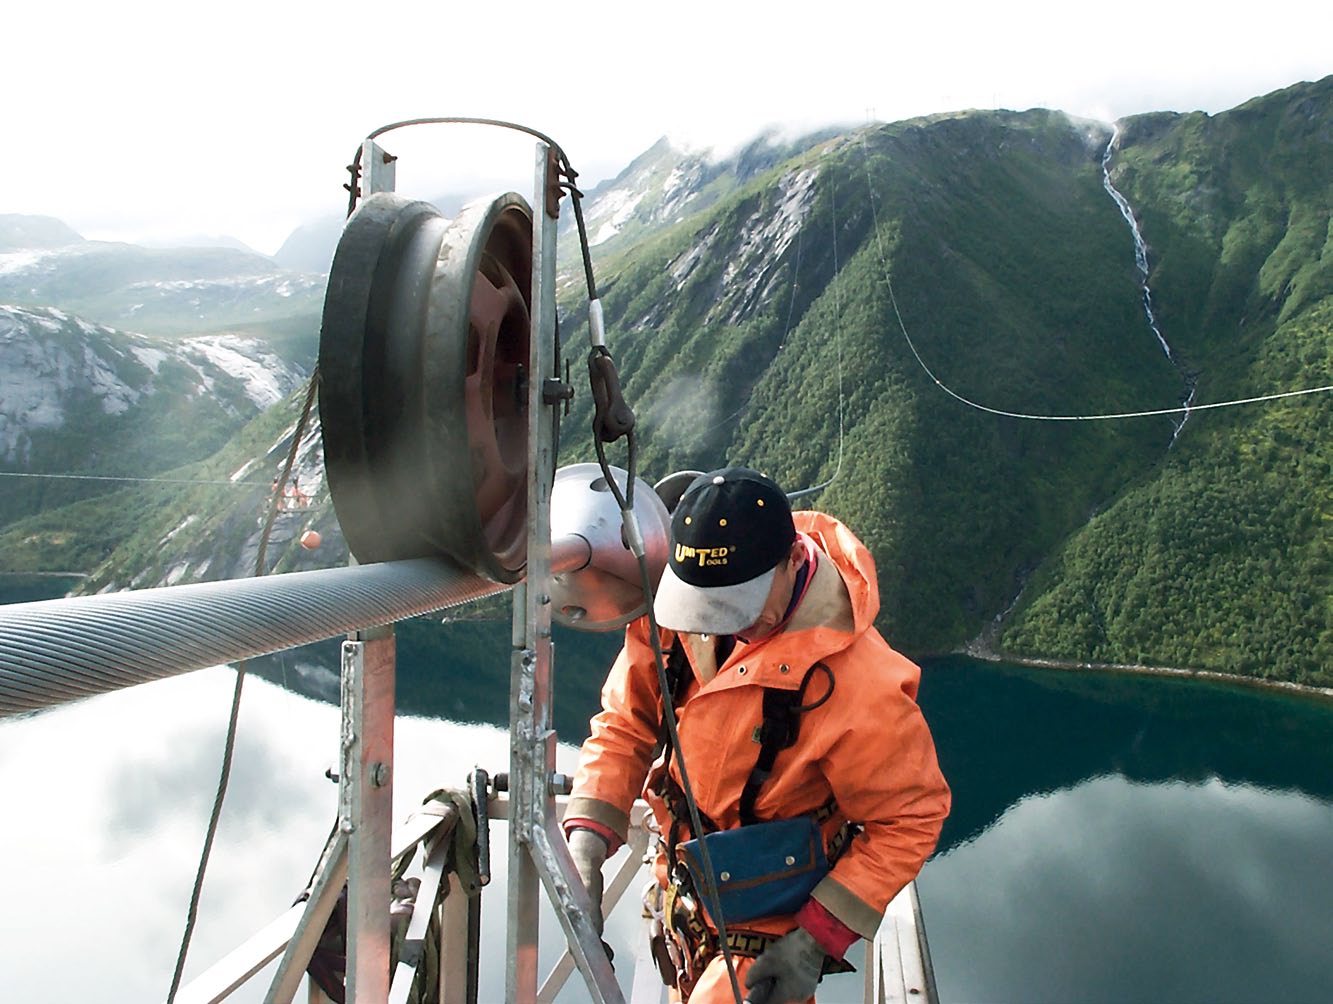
(620, 206)
(151, 358)
(267, 379)
(39, 372)
(764, 238)
(21, 262)
(117, 396)
(52, 362)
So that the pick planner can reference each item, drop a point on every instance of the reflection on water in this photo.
(108, 801)
(1125, 838)
(1117, 891)
(1113, 839)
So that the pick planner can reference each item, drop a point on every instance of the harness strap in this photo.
(751, 944)
(780, 728)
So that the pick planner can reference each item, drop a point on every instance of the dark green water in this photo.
(1113, 838)
(1126, 838)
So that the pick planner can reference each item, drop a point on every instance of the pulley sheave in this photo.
(423, 400)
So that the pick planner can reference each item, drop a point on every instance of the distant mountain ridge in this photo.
(19, 232)
(762, 314)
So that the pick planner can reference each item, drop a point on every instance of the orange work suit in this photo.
(867, 746)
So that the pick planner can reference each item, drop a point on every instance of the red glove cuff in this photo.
(833, 935)
(613, 842)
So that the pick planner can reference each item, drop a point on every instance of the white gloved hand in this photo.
(788, 970)
(589, 850)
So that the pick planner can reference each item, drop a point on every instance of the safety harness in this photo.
(688, 943)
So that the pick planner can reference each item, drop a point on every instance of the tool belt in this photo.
(683, 945)
(683, 942)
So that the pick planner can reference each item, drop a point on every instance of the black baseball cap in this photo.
(729, 533)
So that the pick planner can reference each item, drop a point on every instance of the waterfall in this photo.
(1141, 260)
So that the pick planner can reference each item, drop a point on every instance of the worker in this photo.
(795, 718)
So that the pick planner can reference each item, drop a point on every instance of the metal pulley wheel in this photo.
(423, 398)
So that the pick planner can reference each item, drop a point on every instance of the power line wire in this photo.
(128, 480)
(837, 329)
(1185, 409)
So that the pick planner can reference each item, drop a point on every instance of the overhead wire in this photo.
(1096, 417)
(130, 480)
(837, 338)
(229, 744)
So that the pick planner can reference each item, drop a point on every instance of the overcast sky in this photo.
(142, 120)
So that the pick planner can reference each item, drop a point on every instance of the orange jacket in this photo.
(867, 745)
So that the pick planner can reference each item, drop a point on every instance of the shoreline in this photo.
(1299, 689)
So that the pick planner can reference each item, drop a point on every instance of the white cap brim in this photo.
(714, 610)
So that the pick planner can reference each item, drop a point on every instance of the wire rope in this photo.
(669, 710)
(1099, 417)
(229, 746)
(837, 339)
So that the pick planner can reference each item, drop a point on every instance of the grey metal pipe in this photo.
(61, 650)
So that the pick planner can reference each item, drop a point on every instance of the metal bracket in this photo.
(378, 169)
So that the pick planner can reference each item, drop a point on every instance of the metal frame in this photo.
(537, 849)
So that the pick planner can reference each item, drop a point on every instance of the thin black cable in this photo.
(229, 746)
(668, 709)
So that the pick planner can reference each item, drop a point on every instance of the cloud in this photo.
(153, 118)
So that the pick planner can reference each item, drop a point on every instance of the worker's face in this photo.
(779, 595)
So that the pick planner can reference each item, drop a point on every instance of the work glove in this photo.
(787, 971)
(589, 849)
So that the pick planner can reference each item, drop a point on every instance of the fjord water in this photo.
(1113, 838)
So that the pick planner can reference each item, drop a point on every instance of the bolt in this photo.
(379, 774)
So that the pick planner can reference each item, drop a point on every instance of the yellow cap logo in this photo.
(706, 556)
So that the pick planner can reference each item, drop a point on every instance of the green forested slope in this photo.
(1224, 559)
(1012, 270)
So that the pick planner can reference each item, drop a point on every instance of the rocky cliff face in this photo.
(78, 398)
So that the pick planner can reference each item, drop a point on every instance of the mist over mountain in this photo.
(801, 307)
(169, 291)
(18, 232)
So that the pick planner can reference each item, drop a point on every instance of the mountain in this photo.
(163, 291)
(86, 399)
(200, 241)
(1224, 558)
(19, 232)
(753, 332)
(871, 314)
(201, 521)
(666, 184)
(310, 247)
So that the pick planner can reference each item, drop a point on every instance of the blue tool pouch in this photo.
(762, 870)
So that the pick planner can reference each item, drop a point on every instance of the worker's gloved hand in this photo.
(787, 971)
(589, 849)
